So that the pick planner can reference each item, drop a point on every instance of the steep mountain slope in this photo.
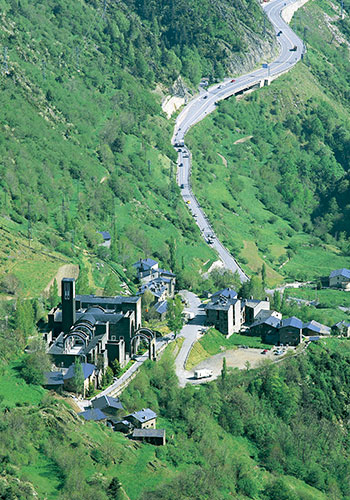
(84, 145)
(279, 160)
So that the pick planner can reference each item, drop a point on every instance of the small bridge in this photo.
(149, 336)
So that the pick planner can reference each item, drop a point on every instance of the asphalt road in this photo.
(203, 104)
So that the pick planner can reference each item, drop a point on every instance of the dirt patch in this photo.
(235, 358)
(224, 161)
(172, 104)
(244, 139)
(66, 271)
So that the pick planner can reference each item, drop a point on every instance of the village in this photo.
(87, 335)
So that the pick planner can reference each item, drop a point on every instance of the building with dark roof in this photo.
(53, 380)
(110, 406)
(267, 328)
(152, 436)
(142, 419)
(315, 328)
(229, 293)
(91, 375)
(342, 328)
(93, 414)
(106, 238)
(340, 278)
(92, 328)
(290, 331)
(224, 313)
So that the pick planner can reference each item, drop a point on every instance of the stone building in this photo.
(96, 329)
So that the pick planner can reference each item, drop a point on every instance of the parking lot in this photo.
(235, 358)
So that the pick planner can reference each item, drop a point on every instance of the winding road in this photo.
(291, 51)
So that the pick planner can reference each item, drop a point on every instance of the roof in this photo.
(160, 433)
(293, 321)
(317, 327)
(95, 315)
(107, 402)
(53, 378)
(167, 273)
(313, 339)
(97, 300)
(88, 370)
(94, 414)
(145, 263)
(271, 321)
(161, 307)
(342, 324)
(156, 289)
(105, 234)
(254, 302)
(226, 292)
(143, 415)
(345, 273)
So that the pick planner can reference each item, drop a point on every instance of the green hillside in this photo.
(84, 143)
(276, 432)
(274, 178)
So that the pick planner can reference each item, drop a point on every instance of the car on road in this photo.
(179, 150)
(182, 186)
(205, 97)
(265, 351)
(279, 33)
(188, 201)
(233, 80)
(181, 164)
(293, 49)
(185, 155)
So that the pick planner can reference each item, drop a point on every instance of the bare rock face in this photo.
(179, 89)
(257, 51)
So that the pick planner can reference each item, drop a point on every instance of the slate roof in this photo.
(161, 307)
(94, 414)
(96, 315)
(53, 378)
(342, 324)
(105, 234)
(317, 327)
(166, 273)
(252, 302)
(271, 321)
(143, 415)
(293, 321)
(156, 289)
(88, 369)
(159, 433)
(97, 300)
(145, 263)
(221, 303)
(107, 402)
(345, 273)
(226, 292)
(312, 327)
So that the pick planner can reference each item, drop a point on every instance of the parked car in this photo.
(233, 80)
(265, 351)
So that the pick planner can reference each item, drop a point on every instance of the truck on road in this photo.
(203, 373)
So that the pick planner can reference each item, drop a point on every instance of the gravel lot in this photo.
(235, 358)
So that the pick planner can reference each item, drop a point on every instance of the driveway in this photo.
(191, 334)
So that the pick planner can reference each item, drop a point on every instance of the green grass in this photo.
(215, 342)
(44, 474)
(15, 390)
(327, 297)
